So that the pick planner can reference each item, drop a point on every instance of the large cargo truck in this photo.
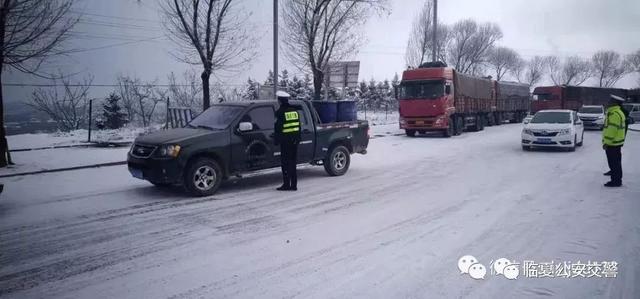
(512, 102)
(572, 97)
(434, 97)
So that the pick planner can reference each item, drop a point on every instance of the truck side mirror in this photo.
(245, 127)
(447, 89)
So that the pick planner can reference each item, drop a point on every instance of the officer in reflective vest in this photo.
(287, 135)
(613, 136)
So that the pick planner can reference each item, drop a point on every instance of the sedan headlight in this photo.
(169, 151)
(564, 132)
(527, 131)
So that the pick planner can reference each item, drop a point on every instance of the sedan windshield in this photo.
(551, 118)
(592, 110)
(216, 117)
(421, 90)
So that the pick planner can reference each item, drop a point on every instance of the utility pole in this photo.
(275, 47)
(434, 52)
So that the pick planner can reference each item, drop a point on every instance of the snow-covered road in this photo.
(393, 227)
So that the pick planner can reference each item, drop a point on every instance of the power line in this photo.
(115, 45)
(114, 17)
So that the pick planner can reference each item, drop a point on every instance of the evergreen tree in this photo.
(112, 113)
(250, 92)
(284, 82)
(295, 88)
(270, 79)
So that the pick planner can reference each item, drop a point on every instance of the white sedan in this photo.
(553, 128)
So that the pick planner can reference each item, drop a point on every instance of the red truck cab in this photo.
(426, 99)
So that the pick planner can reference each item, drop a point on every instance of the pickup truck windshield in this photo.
(421, 90)
(592, 110)
(216, 117)
(551, 118)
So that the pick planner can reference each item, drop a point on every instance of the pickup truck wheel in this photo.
(410, 133)
(203, 177)
(338, 161)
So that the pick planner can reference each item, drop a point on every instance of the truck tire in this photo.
(202, 177)
(451, 129)
(410, 133)
(338, 161)
(498, 119)
(459, 125)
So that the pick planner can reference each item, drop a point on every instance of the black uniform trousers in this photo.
(289, 161)
(614, 158)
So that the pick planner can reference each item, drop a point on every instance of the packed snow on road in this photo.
(395, 226)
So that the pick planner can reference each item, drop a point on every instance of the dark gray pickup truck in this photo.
(230, 139)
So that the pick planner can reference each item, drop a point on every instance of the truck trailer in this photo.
(572, 97)
(434, 97)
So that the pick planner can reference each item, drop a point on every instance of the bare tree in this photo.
(185, 93)
(139, 99)
(31, 31)
(573, 70)
(633, 61)
(420, 44)
(531, 71)
(470, 43)
(503, 60)
(66, 105)
(608, 67)
(209, 33)
(319, 31)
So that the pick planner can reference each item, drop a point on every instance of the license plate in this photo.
(419, 122)
(544, 140)
(136, 173)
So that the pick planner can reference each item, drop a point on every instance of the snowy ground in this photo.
(377, 118)
(393, 227)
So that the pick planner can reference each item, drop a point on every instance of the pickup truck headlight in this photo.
(169, 151)
(600, 117)
(564, 132)
(527, 131)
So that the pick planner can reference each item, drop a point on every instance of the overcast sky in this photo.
(126, 36)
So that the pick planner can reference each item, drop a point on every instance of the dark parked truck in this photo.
(512, 101)
(230, 139)
(438, 98)
(572, 97)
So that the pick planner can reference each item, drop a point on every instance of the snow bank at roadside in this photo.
(28, 141)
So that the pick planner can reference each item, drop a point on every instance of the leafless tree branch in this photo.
(209, 33)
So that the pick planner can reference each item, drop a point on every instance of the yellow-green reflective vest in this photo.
(291, 122)
(614, 124)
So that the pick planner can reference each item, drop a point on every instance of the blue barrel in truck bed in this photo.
(347, 111)
(327, 111)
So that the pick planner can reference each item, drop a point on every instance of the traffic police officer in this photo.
(287, 134)
(613, 136)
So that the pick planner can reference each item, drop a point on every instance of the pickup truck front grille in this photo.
(142, 151)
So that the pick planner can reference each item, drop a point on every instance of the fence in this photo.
(178, 117)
